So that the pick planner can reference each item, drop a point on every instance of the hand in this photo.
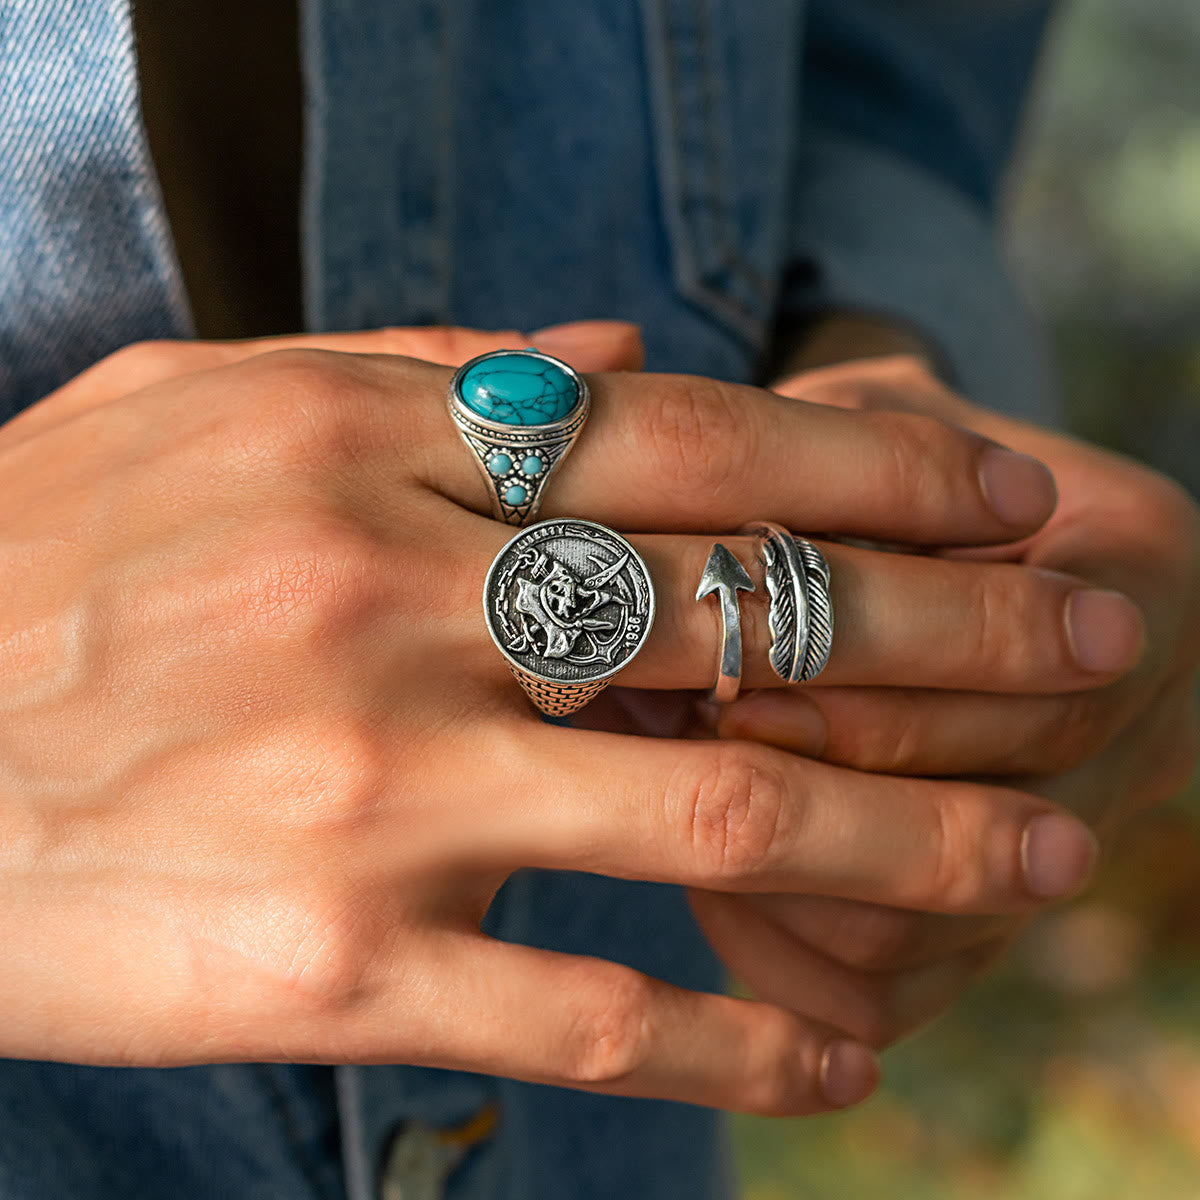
(1105, 754)
(262, 771)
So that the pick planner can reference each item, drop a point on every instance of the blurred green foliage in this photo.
(1073, 1072)
(1105, 223)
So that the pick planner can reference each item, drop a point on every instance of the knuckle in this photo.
(890, 742)
(699, 441)
(299, 405)
(610, 1036)
(320, 952)
(922, 453)
(956, 876)
(1007, 610)
(313, 579)
(773, 1085)
(330, 779)
(734, 812)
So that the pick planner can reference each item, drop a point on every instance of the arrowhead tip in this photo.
(723, 571)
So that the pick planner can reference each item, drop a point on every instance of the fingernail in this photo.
(849, 1073)
(790, 721)
(1058, 855)
(1019, 489)
(1105, 630)
(563, 341)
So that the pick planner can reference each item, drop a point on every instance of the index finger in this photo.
(667, 453)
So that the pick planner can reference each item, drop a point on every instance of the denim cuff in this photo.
(874, 234)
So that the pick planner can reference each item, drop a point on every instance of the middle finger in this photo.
(900, 621)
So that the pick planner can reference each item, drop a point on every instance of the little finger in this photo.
(595, 1025)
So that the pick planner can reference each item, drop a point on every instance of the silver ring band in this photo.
(724, 577)
(519, 413)
(800, 612)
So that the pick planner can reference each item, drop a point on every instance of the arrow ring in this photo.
(568, 603)
(800, 612)
(724, 577)
(519, 413)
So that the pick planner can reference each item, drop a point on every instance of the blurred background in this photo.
(1073, 1073)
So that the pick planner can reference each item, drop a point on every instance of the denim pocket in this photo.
(724, 80)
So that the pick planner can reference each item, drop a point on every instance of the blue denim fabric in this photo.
(85, 256)
(703, 167)
(194, 1133)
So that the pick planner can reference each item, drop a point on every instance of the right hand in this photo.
(262, 771)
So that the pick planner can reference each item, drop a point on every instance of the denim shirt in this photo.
(706, 168)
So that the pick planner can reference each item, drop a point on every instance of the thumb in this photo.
(585, 345)
(593, 345)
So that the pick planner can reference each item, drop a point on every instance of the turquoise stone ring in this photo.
(519, 389)
(519, 412)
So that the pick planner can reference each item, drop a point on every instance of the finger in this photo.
(678, 453)
(875, 1008)
(1152, 761)
(585, 1023)
(589, 345)
(904, 384)
(905, 731)
(900, 621)
(895, 383)
(732, 816)
(875, 938)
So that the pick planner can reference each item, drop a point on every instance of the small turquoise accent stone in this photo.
(513, 388)
(500, 464)
(515, 494)
(531, 466)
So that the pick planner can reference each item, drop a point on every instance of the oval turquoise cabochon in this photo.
(518, 389)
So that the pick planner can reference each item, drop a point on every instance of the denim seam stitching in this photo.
(689, 277)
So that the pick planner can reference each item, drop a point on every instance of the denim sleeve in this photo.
(910, 113)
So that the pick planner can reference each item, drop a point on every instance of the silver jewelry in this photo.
(519, 412)
(725, 576)
(800, 613)
(569, 603)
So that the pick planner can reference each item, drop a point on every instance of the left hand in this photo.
(1106, 753)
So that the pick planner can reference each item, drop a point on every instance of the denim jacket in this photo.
(706, 168)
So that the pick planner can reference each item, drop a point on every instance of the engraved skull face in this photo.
(561, 594)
